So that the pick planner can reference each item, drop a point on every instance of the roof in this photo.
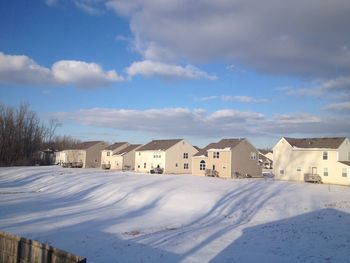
(345, 162)
(265, 151)
(115, 146)
(264, 158)
(159, 145)
(86, 145)
(130, 148)
(328, 143)
(224, 143)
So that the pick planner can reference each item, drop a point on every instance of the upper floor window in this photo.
(253, 156)
(185, 155)
(108, 153)
(216, 155)
(202, 165)
(325, 155)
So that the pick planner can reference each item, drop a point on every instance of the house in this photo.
(45, 157)
(266, 159)
(86, 155)
(327, 159)
(124, 159)
(107, 155)
(173, 156)
(227, 158)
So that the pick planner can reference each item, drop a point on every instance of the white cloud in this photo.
(340, 107)
(243, 99)
(154, 68)
(183, 122)
(23, 70)
(83, 74)
(280, 38)
(319, 88)
(92, 7)
(51, 2)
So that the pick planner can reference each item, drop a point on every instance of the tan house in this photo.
(107, 155)
(227, 158)
(325, 158)
(86, 153)
(124, 159)
(173, 156)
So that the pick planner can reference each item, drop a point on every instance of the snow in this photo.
(111, 216)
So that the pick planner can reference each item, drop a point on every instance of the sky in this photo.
(202, 70)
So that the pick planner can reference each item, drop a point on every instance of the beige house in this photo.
(87, 153)
(326, 158)
(108, 160)
(227, 158)
(124, 159)
(174, 156)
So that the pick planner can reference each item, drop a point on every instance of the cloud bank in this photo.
(154, 68)
(182, 122)
(295, 38)
(22, 70)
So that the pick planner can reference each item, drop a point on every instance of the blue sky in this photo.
(202, 70)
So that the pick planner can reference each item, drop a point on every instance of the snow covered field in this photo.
(126, 217)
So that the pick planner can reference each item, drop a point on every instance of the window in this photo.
(185, 165)
(144, 165)
(108, 153)
(281, 172)
(185, 155)
(138, 166)
(325, 171)
(214, 167)
(202, 165)
(325, 155)
(139, 153)
(298, 169)
(176, 165)
(344, 173)
(253, 156)
(216, 155)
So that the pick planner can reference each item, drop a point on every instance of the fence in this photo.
(15, 249)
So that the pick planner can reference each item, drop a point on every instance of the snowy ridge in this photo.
(111, 216)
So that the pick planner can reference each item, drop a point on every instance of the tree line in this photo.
(22, 135)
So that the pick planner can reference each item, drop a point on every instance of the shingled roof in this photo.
(115, 146)
(156, 145)
(86, 145)
(326, 143)
(224, 143)
(130, 148)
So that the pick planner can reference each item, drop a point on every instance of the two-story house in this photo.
(227, 158)
(173, 156)
(328, 158)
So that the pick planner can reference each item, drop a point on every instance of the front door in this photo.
(314, 170)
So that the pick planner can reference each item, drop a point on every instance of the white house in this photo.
(108, 160)
(173, 156)
(326, 158)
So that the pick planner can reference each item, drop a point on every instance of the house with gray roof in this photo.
(228, 158)
(86, 155)
(172, 156)
(325, 160)
(107, 155)
(124, 159)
